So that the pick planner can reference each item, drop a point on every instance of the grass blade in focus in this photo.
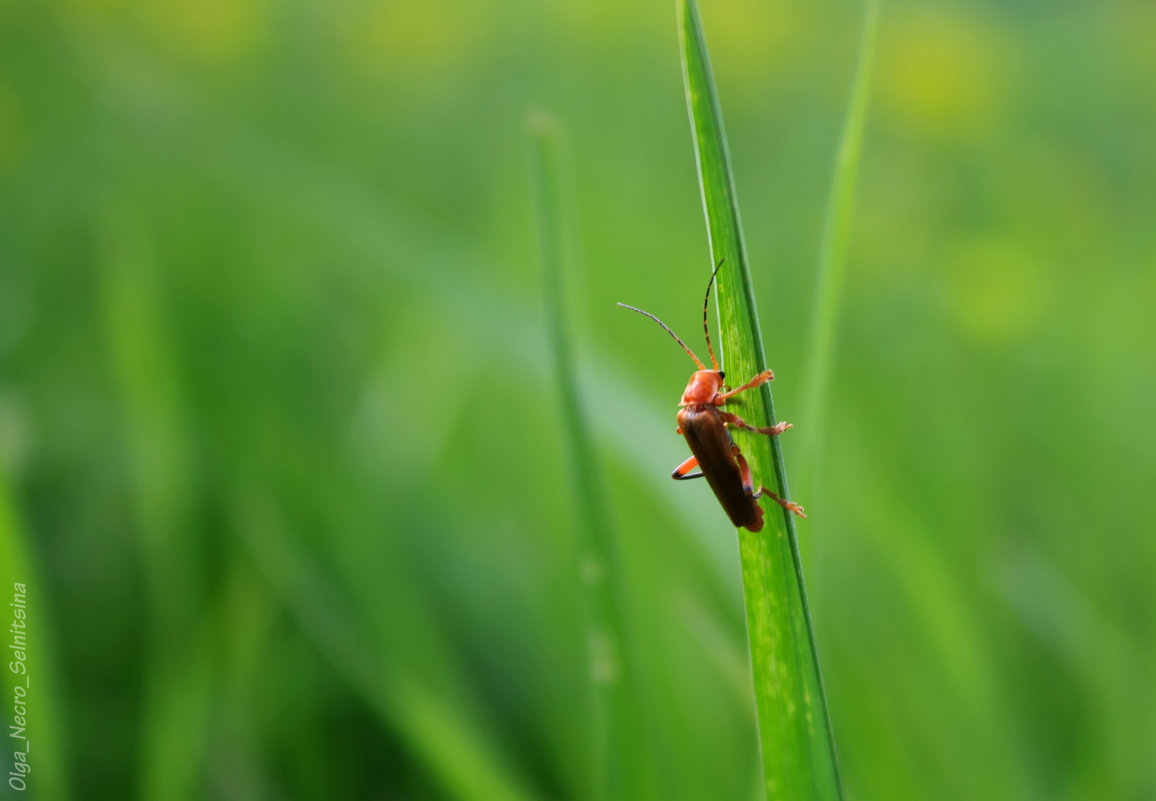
(796, 744)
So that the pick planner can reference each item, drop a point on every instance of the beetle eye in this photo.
(721, 374)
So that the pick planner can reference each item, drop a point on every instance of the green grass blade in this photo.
(461, 757)
(614, 771)
(833, 249)
(595, 531)
(797, 747)
(176, 716)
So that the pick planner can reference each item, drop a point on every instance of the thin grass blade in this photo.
(796, 744)
(461, 757)
(833, 250)
(620, 762)
(179, 671)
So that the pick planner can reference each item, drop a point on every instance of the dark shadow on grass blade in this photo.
(796, 744)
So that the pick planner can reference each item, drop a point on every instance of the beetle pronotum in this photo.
(704, 425)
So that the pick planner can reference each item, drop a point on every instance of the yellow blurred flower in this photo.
(944, 75)
(212, 31)
(411, 37)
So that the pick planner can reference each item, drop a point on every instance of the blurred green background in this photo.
(282, 462)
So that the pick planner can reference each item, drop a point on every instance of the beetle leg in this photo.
(774, 430)
(788, 505)
(748, 486)
(682, 472)
(744, 471)
(761, 378)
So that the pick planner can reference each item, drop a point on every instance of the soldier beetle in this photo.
(704, 425)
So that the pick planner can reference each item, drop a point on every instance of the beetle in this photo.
(704, 424)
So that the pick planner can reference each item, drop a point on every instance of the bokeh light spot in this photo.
(998, 291)
(943, 76)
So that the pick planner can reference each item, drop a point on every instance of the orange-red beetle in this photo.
(713, 450)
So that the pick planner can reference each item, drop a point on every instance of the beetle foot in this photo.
(794, 507)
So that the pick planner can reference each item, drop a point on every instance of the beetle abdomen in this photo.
(712, 446)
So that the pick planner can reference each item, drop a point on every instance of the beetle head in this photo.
(702, 387)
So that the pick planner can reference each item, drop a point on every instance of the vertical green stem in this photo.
(797, 746)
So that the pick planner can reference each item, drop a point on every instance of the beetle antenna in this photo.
(689, 352)
(705, 302)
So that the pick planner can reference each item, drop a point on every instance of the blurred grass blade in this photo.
(797, 747)
(177, 709)
(833, 250)
(462, 759)
(603, 644)
(614, 772)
